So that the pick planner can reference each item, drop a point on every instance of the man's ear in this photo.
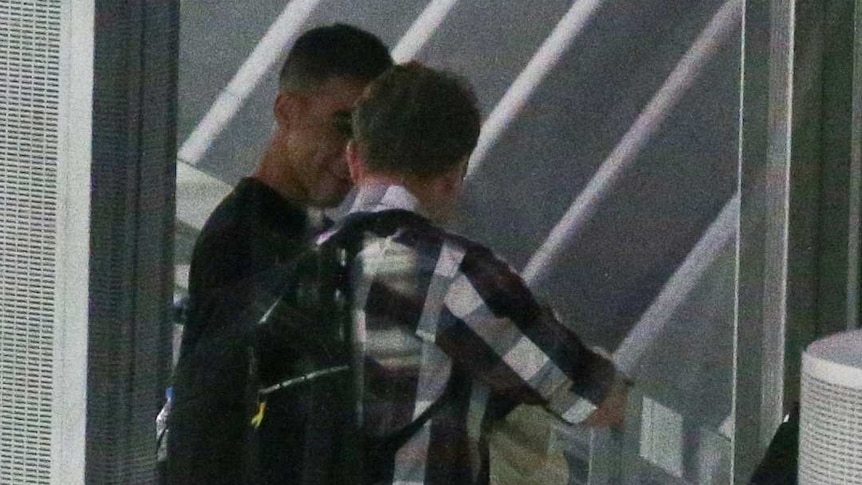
(287, 108)
(354, 163)
(453, 180)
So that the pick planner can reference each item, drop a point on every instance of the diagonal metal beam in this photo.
(197, 195)
(545, 58)
(197, 192)
(651, 325)
(421, 30)
(281, 34)
(723, 23)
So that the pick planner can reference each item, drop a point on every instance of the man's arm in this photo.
(220, 259)
(492, 325)
(214, 398)
(217, 262)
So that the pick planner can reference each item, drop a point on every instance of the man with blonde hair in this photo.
(449, 338)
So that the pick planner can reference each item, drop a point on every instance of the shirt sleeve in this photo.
(493, 326)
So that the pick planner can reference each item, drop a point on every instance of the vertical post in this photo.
(70, 324)
(762, 245)
(855, 196)
(838, 245)
(801, 183)
(132, 177)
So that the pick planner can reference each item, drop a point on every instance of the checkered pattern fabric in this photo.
(436, 314)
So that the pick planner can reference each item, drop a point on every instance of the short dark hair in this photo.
(333, 51)
(418, 121)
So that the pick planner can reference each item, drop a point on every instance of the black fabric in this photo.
(378, 452)
(302, 437)
(252, 229)
(214, 399)
(306, 437)
(780, 464)
(309, 330)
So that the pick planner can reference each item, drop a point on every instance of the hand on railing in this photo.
(612, 411)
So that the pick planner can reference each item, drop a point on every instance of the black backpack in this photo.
(307, 431)
(269, 394)
(305, 364)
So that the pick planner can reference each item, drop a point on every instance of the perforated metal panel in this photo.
(29, 103)
(830, 435)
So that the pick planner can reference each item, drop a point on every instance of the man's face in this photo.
(316, 142)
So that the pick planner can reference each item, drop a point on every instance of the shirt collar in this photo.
(377, 198)
(380, 197)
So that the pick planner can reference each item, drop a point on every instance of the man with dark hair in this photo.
(449, 337)
(265, 221)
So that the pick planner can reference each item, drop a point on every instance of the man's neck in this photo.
(371, 179)
(412, 186)
(270, 173)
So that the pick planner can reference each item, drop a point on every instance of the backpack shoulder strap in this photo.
(392, 443)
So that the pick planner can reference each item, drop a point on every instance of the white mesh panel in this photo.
(29, 98)
(830, 424)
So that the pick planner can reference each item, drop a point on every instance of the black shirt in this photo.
(251, 230)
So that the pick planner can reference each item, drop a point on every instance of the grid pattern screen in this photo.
(29, 102)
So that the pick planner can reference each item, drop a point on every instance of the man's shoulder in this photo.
(472, 251)
(477, 259)
(459, 242)
(226, 225)
(240, 238)
(249, 209)
(227, 213)
(462, 241)
(411, 228)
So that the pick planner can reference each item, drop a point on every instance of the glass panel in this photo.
(614, 188)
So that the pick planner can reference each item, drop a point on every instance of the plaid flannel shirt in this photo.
(437, 316)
